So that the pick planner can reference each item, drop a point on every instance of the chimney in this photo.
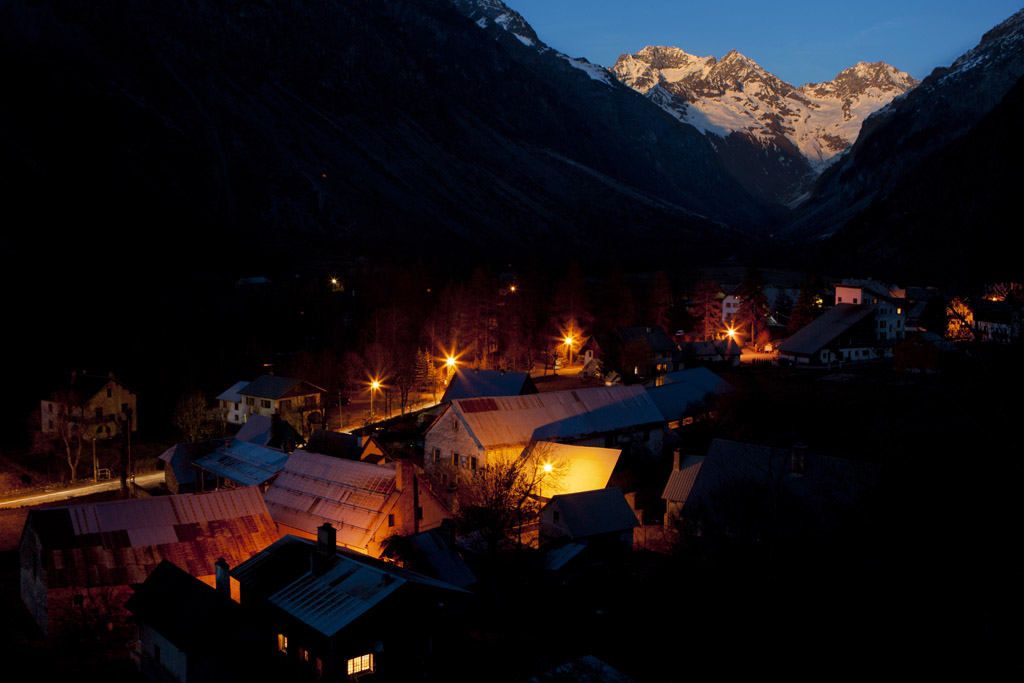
(676, 460)
(796, 459)
(408, 496)
(326, 548)
(326, 540)
(223, 577)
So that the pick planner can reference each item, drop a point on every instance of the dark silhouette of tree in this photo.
(809, 304)
(707, 308)
(618, 308)
(752, 316)
(660, 302)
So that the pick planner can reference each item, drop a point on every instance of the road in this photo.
(143, 480)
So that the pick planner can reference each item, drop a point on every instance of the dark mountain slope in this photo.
(956, 218)
(923, 187)
(265, 131)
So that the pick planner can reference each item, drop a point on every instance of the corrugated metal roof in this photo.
(586, 467)
(346, 588)
(680, 482)
(120, 542)
(832, 323)
(244, 463)
(334, 599)
(511, 420)
(352, 495)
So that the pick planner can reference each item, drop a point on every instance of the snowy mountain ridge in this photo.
(734, 95)
(487, 12)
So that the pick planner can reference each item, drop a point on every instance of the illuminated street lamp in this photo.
(374, 386)
(450, 362)
(568, 347)
(540, 483)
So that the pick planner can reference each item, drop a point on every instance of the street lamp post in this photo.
(568, 348)
(374, 386)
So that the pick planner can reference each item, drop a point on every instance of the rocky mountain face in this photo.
(250, 135)
(773, 136)
(931, 183)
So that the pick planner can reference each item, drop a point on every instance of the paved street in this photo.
(143, 480)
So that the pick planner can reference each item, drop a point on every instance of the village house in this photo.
(470, 432)
(190, 632)
(79, 562)
(579, 468)
(742, 489)
(923, 352)
(332, 615)
(364, 502)
(180, 470)
(230, 404)
(270, 395)
(470, 383)
(726, 352)
(867, 321)
(240, 463)
(601, 517)
(101, 403)
(646, 351)
(686, 396)
(349, 446)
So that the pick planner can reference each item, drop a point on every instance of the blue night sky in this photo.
(800, 41)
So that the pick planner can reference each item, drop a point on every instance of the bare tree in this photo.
(499, 498)
(192, 417)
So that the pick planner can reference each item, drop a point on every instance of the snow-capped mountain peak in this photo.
(734, 96)
(488, 12)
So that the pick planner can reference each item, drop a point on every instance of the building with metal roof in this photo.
(593, 516)
(240, 463)
(231, 404)
(680, 483)
(270, 395)
(180, 469)
(344, 615)
(272, 432)
(740, 487)
(366, 503)
(682, 396)
(73, 558)
(846, 332)
(469, 431)
(188, 631)
(471, 383)
(580, 468)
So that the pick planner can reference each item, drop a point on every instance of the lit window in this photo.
(358, 665)
(282, 642)
(437, 455)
